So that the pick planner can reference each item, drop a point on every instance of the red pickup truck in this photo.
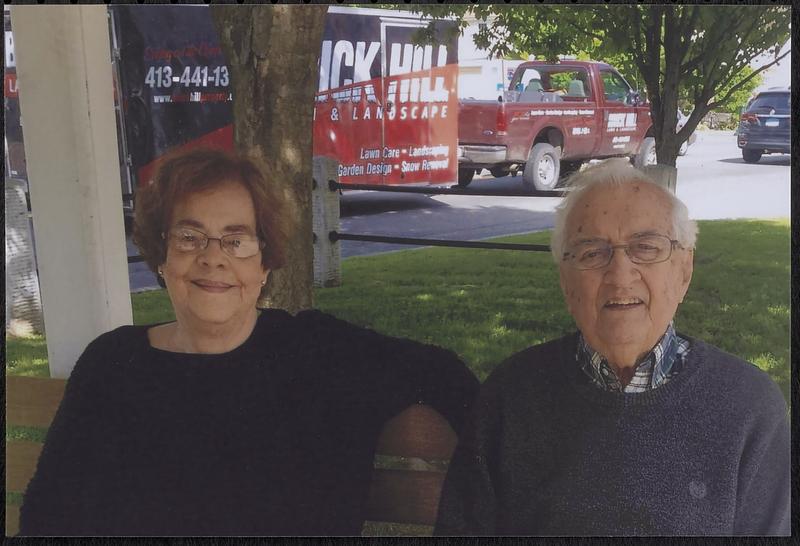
(554, 117)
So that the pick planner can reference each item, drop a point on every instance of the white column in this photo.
(66, 101)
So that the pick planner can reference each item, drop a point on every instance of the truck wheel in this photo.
(499, 172)
(542, 167)
(750, 155)
(647, 153)
(465, 177)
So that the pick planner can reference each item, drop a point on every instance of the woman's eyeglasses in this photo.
(237, 245)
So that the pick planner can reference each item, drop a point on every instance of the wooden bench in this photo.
(397, 495)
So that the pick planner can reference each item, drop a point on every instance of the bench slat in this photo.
(21, 459)
(418, 431)
(404, 496)
(32, 401)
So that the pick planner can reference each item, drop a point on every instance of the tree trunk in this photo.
(273, 53)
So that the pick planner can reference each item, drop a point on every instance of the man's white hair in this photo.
(615, 172)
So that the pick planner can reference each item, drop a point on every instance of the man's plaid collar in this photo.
(651, 372)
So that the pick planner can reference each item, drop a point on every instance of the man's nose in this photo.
(621, 270)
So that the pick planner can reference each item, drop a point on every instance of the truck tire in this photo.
(750, 155)
(465, 177)
(647, 153)
(542, 168)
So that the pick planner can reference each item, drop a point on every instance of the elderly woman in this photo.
(228, 421)
(625, 427)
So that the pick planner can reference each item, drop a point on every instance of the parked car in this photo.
(682, 119)
(765, 126)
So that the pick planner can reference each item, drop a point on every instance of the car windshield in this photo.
(779, 102)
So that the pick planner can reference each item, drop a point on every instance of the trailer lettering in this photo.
(351, 170)
(435, 165)
(407, 167)
(379, 168)
(428, 151)
(369, 154)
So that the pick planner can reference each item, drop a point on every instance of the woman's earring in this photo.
(160, 272)
(264, 282)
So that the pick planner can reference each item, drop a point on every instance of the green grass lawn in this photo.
(487, 304)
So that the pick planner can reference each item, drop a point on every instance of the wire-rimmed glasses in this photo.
(643, 249)
(237, 245)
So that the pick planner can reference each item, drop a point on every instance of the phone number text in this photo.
(192, 76)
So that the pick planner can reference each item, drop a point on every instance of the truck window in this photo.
(552, 84)
(616, 89)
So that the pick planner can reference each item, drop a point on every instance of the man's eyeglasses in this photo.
(646, 249)
(237, 245)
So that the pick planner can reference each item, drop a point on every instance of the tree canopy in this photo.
(700, 52)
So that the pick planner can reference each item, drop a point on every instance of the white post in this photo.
(325, 218)
(66, 103)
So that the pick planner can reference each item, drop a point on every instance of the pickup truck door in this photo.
(619, 133)
(578, 110)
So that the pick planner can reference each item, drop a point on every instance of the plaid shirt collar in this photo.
(655, 369)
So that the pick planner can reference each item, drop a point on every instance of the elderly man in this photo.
(625, 427)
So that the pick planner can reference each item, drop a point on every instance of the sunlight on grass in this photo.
(31, 434)
(781, 311)
(13, 498)
(766, 362)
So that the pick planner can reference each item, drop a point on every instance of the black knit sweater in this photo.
(276, 437)
(549, 453)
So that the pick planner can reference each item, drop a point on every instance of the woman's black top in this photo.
(275, 437)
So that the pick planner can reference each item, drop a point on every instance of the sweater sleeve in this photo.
(468, 505)
(411, 373)
(764, 500)
(60, 497)
(389, 374)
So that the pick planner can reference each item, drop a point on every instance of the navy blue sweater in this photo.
(276, 437)
(548, 453)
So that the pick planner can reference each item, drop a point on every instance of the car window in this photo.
(553, 84)
(779, 102)
(615, 88)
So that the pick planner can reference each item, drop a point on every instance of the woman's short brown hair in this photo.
(188, 172)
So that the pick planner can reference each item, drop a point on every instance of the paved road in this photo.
(713, 181)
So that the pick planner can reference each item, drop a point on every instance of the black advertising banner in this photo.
(174, 82)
